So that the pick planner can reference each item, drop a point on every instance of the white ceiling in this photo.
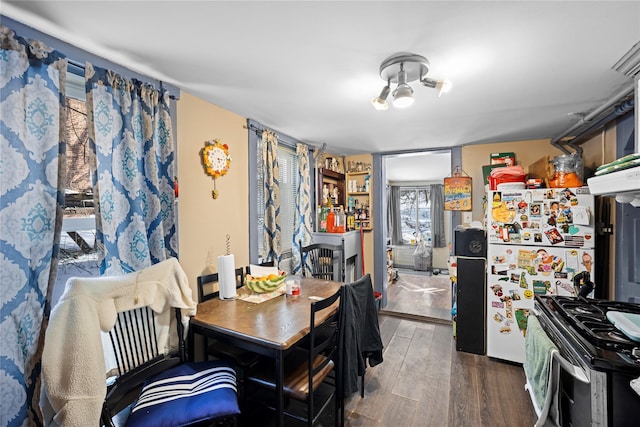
(309, 69)
(418, 167)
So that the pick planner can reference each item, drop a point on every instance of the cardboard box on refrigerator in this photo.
(507, 158)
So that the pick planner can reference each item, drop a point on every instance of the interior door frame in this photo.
(380, 282)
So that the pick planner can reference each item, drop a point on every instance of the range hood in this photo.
(624, 185)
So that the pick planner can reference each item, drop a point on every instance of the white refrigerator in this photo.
(538, 240)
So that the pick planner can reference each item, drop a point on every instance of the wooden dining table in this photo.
(270, 328)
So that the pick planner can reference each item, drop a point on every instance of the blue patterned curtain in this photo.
(302, 224)
(132, 162)
(32, 157)
(272, 233)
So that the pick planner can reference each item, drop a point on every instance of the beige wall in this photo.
(203, 222)
(475, 156)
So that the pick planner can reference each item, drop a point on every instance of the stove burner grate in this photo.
(589, 319)
(613, 335)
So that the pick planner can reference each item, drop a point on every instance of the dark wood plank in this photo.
(464, 395)
(447, 389)
(503, 387)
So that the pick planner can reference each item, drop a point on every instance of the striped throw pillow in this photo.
(185, 394)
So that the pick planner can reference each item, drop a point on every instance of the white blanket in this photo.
(73, 367)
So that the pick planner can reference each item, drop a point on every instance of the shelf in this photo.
(331, 179)
(331, 173)
(359, 202)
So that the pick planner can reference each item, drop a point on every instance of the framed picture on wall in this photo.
(457, 193)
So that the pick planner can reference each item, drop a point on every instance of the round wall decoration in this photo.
(216, 161)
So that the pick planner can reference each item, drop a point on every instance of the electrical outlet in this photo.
(466, 218)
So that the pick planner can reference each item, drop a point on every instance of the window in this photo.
(78, 255)
(288, 178)
(415, 214)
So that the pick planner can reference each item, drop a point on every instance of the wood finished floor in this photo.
(416, 294)
(424, 381)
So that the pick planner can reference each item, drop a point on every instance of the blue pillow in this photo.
(186, 394)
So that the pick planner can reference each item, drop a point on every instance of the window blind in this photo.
(288, 179)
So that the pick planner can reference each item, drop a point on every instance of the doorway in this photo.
(417, 283)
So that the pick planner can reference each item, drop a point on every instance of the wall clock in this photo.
(216, 161)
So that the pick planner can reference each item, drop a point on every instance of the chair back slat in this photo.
(203, 282)
(324, 259)
(211, 280)
(134, 338)
(139, 357)
(323, 336)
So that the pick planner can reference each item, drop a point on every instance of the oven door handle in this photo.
(575, 371)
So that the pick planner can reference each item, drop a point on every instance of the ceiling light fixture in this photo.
(402, 68)
(380, 103)
(403, 95)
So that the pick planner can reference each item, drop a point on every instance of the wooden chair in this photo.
(211, 280)
(143, 372)
(218, 349)
(310, 365)
(323, 259)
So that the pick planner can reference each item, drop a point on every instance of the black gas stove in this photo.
(605, 346)
(596, 391)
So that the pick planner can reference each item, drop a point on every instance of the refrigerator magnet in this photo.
(554, 236)
(581, 215)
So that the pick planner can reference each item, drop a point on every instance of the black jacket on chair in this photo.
(360, 339)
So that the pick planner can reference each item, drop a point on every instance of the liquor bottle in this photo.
(331, 218)
(323, 218)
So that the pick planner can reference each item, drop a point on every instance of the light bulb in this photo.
(443, 86)
(403, 96)
(379, 104)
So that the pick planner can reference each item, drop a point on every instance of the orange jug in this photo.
(331, 221)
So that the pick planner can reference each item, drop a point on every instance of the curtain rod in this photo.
(292, 143)
(79, 68)
(77, 56)
(258, 131)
